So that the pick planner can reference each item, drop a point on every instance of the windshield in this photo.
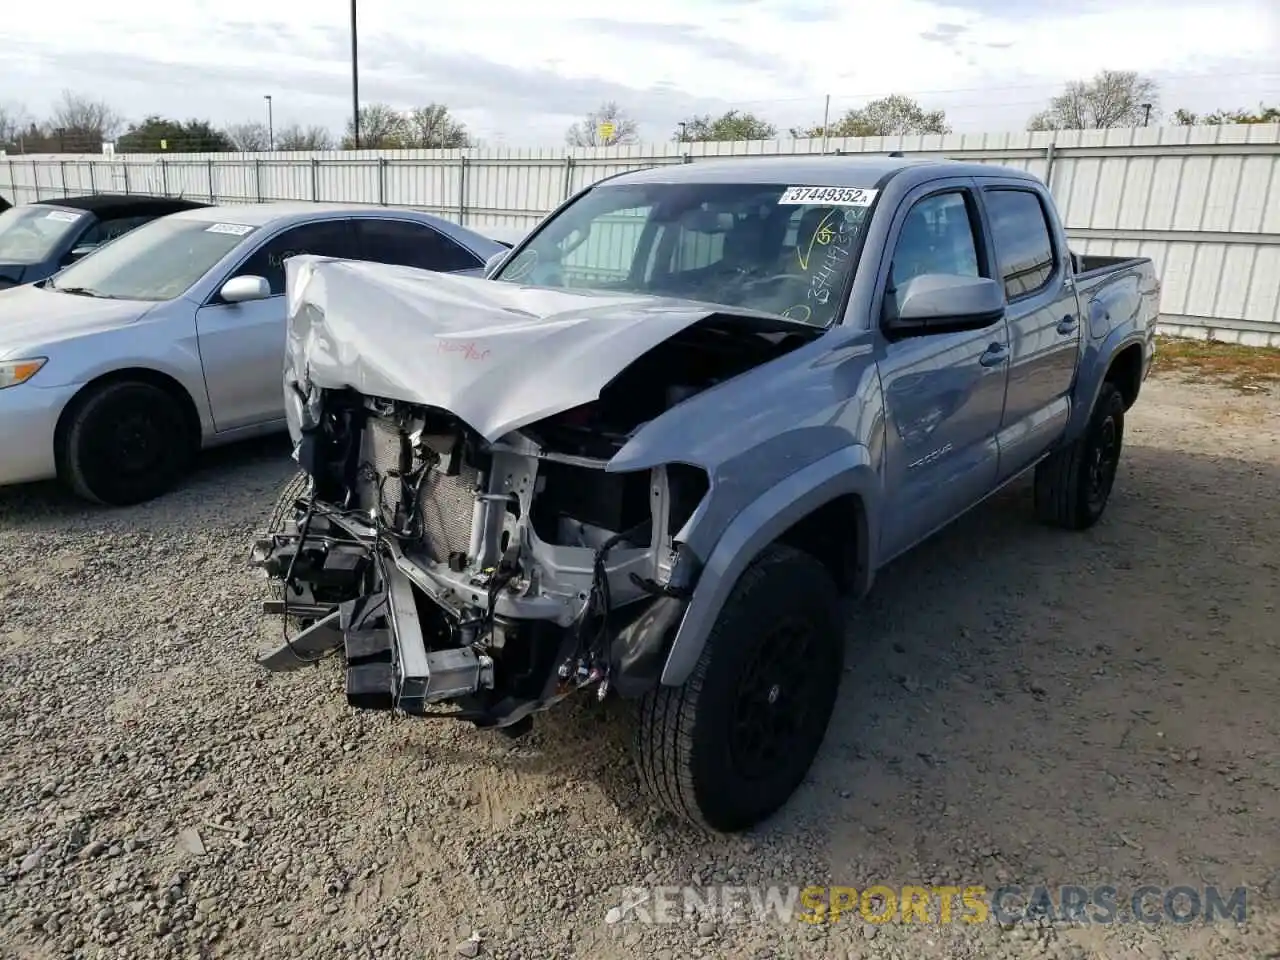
(30, 234)
(159, 260)
(772, 247)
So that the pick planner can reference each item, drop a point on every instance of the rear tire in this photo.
(729, 747)
(1073, 485)
(127, 442)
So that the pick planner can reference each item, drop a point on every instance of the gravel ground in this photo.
(1021, 706)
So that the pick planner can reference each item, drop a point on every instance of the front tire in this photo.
(284, 512)
(283, 519)
(1073, 485)
(729, 747)
(125, 443)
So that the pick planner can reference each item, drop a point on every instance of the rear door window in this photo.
(1024, 243)
(408, 244)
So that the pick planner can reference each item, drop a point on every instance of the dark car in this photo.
(39, 239)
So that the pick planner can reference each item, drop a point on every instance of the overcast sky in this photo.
(519, 73)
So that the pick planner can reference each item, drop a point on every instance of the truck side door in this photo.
(943, 390)
(1043, 318)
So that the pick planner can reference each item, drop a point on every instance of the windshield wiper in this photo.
(83, 292)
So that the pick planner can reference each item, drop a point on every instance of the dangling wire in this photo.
(599, 601)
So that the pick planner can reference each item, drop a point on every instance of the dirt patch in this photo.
(1243, 369)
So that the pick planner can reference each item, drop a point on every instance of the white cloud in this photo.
(520, 72)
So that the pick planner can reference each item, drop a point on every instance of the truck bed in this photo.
(1115, 292)
(1085, 264)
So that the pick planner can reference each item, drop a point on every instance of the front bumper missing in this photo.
(388, 665)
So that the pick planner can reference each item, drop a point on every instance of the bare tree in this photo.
(294, 137)
(382, 127)
(14, 120)
(249, 137)
(432, 127)
(606, 126)
(83, 123)
(1113, 98)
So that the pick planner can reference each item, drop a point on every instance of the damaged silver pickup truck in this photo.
(648, 452)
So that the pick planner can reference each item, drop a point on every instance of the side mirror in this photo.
(78, 252)
(492, 264)
(933, 302)
(246, 288)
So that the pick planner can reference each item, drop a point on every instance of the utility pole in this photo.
(826, 120)
(1146, 114)
(271, 126)
(355, 82)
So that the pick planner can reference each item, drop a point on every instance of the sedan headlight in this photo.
(14, 372)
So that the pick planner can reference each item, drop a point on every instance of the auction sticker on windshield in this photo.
(235, 229)
(62, 216)
(837, 196)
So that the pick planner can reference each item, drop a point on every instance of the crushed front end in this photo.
(482, 580)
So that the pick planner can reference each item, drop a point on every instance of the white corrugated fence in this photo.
(1202, 202)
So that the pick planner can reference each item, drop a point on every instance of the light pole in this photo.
(1146, 113)
(271, 126)
(355, 82)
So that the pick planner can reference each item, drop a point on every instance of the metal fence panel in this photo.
(1202, 202)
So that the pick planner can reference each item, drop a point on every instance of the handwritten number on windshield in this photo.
(822, 235)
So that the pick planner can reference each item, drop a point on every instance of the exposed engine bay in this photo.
(498, 576)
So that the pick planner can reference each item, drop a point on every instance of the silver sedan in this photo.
(115, 372)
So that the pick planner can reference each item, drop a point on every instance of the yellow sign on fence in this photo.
(607, 130)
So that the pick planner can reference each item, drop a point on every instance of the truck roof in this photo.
(828, 170)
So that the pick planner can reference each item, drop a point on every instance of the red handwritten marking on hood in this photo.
(469, 350)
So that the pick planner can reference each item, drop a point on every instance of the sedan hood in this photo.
(497, 355)
(31, 316)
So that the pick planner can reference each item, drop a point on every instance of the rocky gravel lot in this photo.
(1021, 706)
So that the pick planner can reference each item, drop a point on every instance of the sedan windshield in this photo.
(772, 247)
(30, 234)
(159, 260)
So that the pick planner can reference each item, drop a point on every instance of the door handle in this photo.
(994, 355)
(1068, 324)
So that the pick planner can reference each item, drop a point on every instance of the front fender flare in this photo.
(848, 470)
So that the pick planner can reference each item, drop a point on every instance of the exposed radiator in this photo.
(445, 503)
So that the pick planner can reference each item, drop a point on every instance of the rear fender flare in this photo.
(1093, 371)
(846, 471)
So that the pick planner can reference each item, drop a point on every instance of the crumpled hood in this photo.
(31, 316)
(497, 355)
